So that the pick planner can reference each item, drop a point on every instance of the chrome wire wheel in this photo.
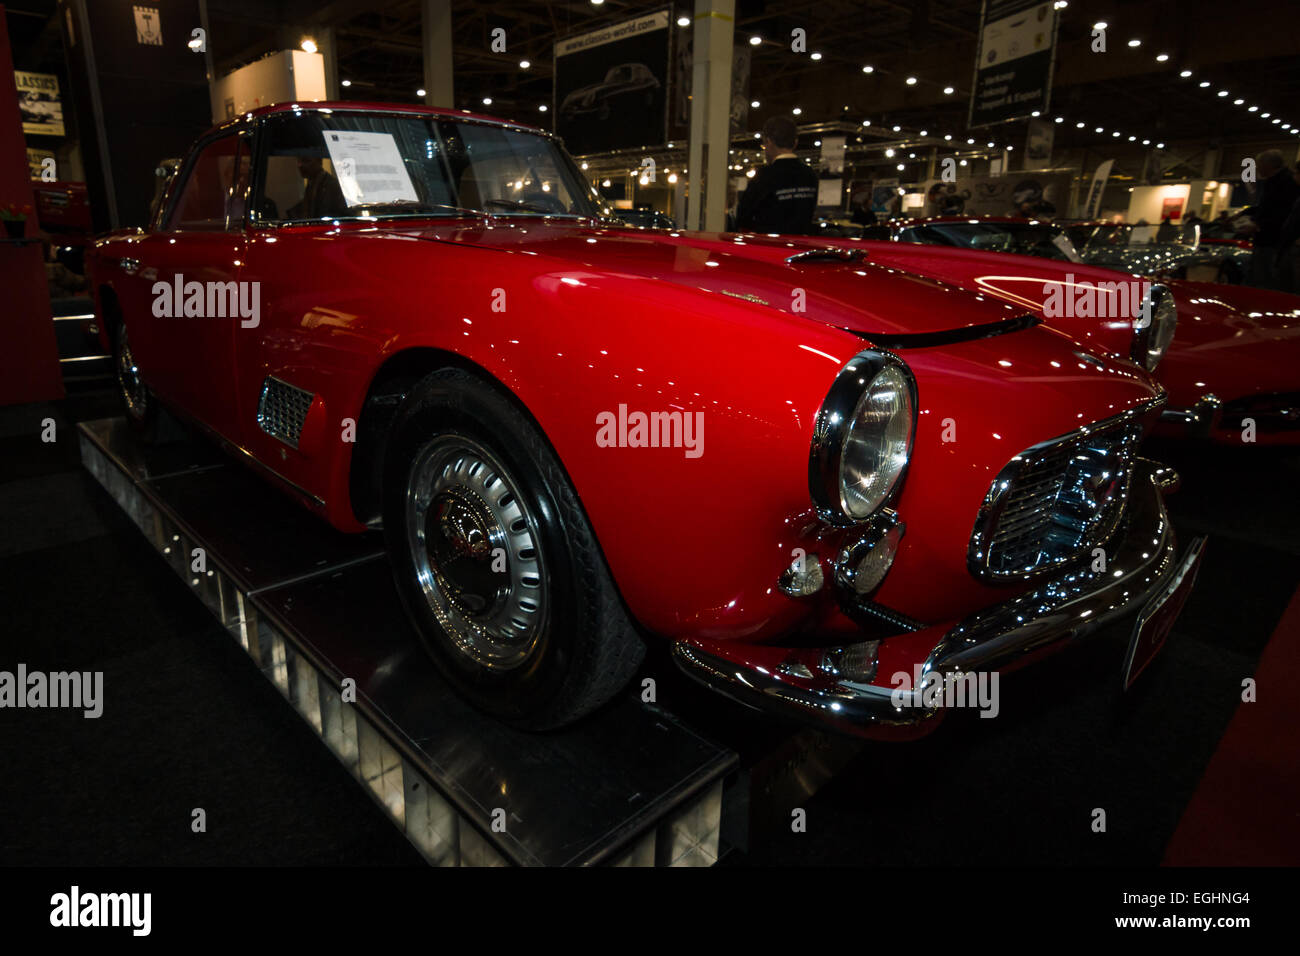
(134, 393)
(475, 549)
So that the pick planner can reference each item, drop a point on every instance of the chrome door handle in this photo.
(129, 266)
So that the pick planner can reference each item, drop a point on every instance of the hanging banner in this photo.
(1030, 195)
(39, 104)
(611, 85)
(1013, 61)
(1092, 206)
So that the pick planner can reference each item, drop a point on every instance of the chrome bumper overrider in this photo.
(1140, 557)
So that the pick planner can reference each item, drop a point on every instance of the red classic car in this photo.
(813, 475)
(1231, 368)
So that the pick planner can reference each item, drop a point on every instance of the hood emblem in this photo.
(746, 296)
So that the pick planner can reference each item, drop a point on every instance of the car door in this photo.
(191, 267)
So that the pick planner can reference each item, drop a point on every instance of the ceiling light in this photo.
(308, 45)
(1134, 43)
(1162, 58)
(1223, 92)
(796, 111)
(889, 154)
(924, 132)
(524, 64)
(1185, 74)
(911, 81)
(1060, 119)
(347, 83)
(897, 128)
(542, 108)
(1265, 115)
(868, 69)
(487, 101)
(1252, 109)
(683, 21)
(1078, 126)
(755, 40)
(419, 92)
(815, 56)
(1204, 83)
(948, 91)
(584, 165)
(1100, 25)
(1237, 102)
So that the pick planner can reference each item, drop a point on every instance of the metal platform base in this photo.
(318, 614)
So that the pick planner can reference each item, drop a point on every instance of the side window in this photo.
(208, 194)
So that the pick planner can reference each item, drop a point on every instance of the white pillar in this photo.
(715, 27)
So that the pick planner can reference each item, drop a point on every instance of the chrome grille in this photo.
(282, 409)
(1054, 502)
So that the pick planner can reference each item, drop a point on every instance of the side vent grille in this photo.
(282, 409)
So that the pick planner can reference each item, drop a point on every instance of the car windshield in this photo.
(1110, 236)
(1027, 238)
(343, 165)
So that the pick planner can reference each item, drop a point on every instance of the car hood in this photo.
(812, 278)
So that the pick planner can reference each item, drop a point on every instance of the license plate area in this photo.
(1156, 619)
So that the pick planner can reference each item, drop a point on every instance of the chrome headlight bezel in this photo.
(1152, 338)
(834, 426)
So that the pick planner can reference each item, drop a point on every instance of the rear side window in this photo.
(212, 181)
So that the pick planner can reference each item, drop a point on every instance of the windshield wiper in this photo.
(528, 205)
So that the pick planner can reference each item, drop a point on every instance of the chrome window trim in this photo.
(978, 552)
(830, 428)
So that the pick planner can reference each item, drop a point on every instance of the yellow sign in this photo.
(38, 101)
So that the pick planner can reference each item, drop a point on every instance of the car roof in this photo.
(356, 106)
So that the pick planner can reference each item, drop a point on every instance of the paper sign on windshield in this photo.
(369, 168)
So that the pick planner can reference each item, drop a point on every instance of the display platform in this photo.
(315, 609)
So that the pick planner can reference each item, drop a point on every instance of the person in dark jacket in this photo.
(1275, 195)
(783, 194)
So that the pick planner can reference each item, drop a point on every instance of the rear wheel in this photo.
(495, 560)
(149, 420)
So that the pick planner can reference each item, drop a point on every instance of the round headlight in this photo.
(1153, 329)
(863, 437)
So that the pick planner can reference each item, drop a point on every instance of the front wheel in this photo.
(495, 561)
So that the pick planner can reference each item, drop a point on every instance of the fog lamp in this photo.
(863, 564)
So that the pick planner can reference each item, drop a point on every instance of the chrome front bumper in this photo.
(1141, 556)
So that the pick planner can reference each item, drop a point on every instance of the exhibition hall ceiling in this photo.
(1125, 89)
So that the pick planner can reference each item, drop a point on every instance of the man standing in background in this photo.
(1274, 196)
(783, 194)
